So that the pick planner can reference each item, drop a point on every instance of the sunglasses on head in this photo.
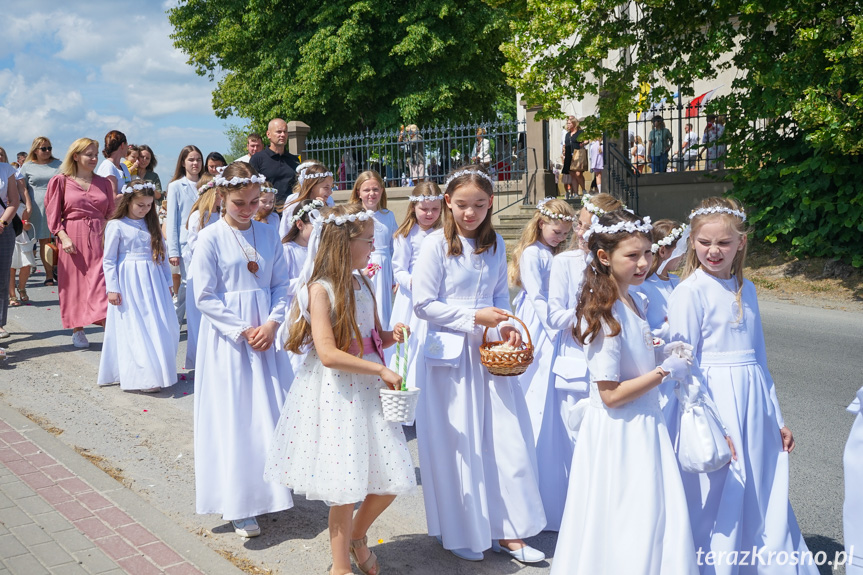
(46, 148)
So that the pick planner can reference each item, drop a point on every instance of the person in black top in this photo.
(275, 163)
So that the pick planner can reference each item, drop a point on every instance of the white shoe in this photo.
(79, 339)
(247, 527)
(526, 554)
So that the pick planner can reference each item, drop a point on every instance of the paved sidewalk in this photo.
(61, 514)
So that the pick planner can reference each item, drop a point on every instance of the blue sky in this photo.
(80, 69)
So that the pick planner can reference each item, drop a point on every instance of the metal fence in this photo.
(404, 157)
(693, 141)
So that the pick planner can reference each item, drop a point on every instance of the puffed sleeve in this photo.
(280, 280)
(54, 203)
(112, 254)
(603, 356)
(208, 278)
(173, 226)
(429, 278)
(561, 311)
(402, 261)
(534, 280)
(761, 351)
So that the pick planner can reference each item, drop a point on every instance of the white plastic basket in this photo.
(400, 406)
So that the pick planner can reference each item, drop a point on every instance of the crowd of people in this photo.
(292, 306)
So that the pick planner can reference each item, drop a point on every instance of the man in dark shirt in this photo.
(278, 165)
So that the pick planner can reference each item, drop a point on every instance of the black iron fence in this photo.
(407, 155)
(676, 138)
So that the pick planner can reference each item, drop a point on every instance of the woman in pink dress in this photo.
(77, 204)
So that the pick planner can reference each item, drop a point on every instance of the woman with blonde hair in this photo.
(38, 169)
(78, 204)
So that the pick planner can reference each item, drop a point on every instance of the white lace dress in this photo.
(332, 442)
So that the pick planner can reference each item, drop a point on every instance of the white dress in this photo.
(141, 334)
(193, 315)
(295, 256)
(853, 509)
(626, 509)
(406, 250)
(332, 442)
(569, 380)
(385, 227)
(744, 505)
(238, 391)
(658, 291)
(473, 431)
(273, 220)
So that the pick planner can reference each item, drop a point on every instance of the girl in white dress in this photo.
(314, 182)
(266, 211)
(421, 219)
(332, 442)
(204, 212)
(743, 506)
(657, 288)
(853, 509)
(370, 191)
(473, 431)
(625, 509)
(530, 269)
(241, 282)
(568, 366)
(141, 329)
(295, 246)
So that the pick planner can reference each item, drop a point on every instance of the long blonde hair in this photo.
(424, 188)
(362, 179)
(206, 202)
(69, 167)
(332, 264)
(40, 141)
(735, 223)
(533, 232)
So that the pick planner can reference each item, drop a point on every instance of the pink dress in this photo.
(82, 215)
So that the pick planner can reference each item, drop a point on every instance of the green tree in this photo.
(794, 115)
(345, 65)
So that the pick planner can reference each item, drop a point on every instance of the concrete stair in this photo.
(511, 225)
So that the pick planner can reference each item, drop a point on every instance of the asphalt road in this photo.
(815, 355)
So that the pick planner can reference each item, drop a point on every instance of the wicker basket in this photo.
(506, 363)
(400, 406)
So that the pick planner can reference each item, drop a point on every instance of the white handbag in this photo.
(701, 444)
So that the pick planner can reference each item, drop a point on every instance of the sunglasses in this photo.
(46, 148)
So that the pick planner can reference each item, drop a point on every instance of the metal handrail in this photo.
(623, 176)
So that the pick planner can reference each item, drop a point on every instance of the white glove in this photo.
(678, 349)
(677, 368)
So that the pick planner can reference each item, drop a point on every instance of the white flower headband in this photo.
(675, 235)
(461, 173)
(540, 207)
(643, 226)
(131, 188)
(207, 186)
(341, 220)
(268, 190)
(315, 205)
(718, 210)
(587, 204)
(237, 181)
(425, 198)
(304, 167)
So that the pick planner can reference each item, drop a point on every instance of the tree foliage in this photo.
(344, 65)
(794, 116)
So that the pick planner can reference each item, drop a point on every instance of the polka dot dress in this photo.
(332, 442)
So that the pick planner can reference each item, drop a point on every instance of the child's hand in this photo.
(261, 338)
(370, 270)
(490, 316)
(398, 334)
(114, 298)
(787, 439)
(731, 446)
(174, 261)
(511, 336)
(391, 378)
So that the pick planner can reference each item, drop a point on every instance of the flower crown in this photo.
(341, 220)
(298, 215)
(425, 198)
(587, 204)
(643, 226)
(269, 190)
(672, 237)
(304, 167)
(207, 186)
(237, 181)
(540, 207)
(718, 210)
(461, 173)
(132, 188)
